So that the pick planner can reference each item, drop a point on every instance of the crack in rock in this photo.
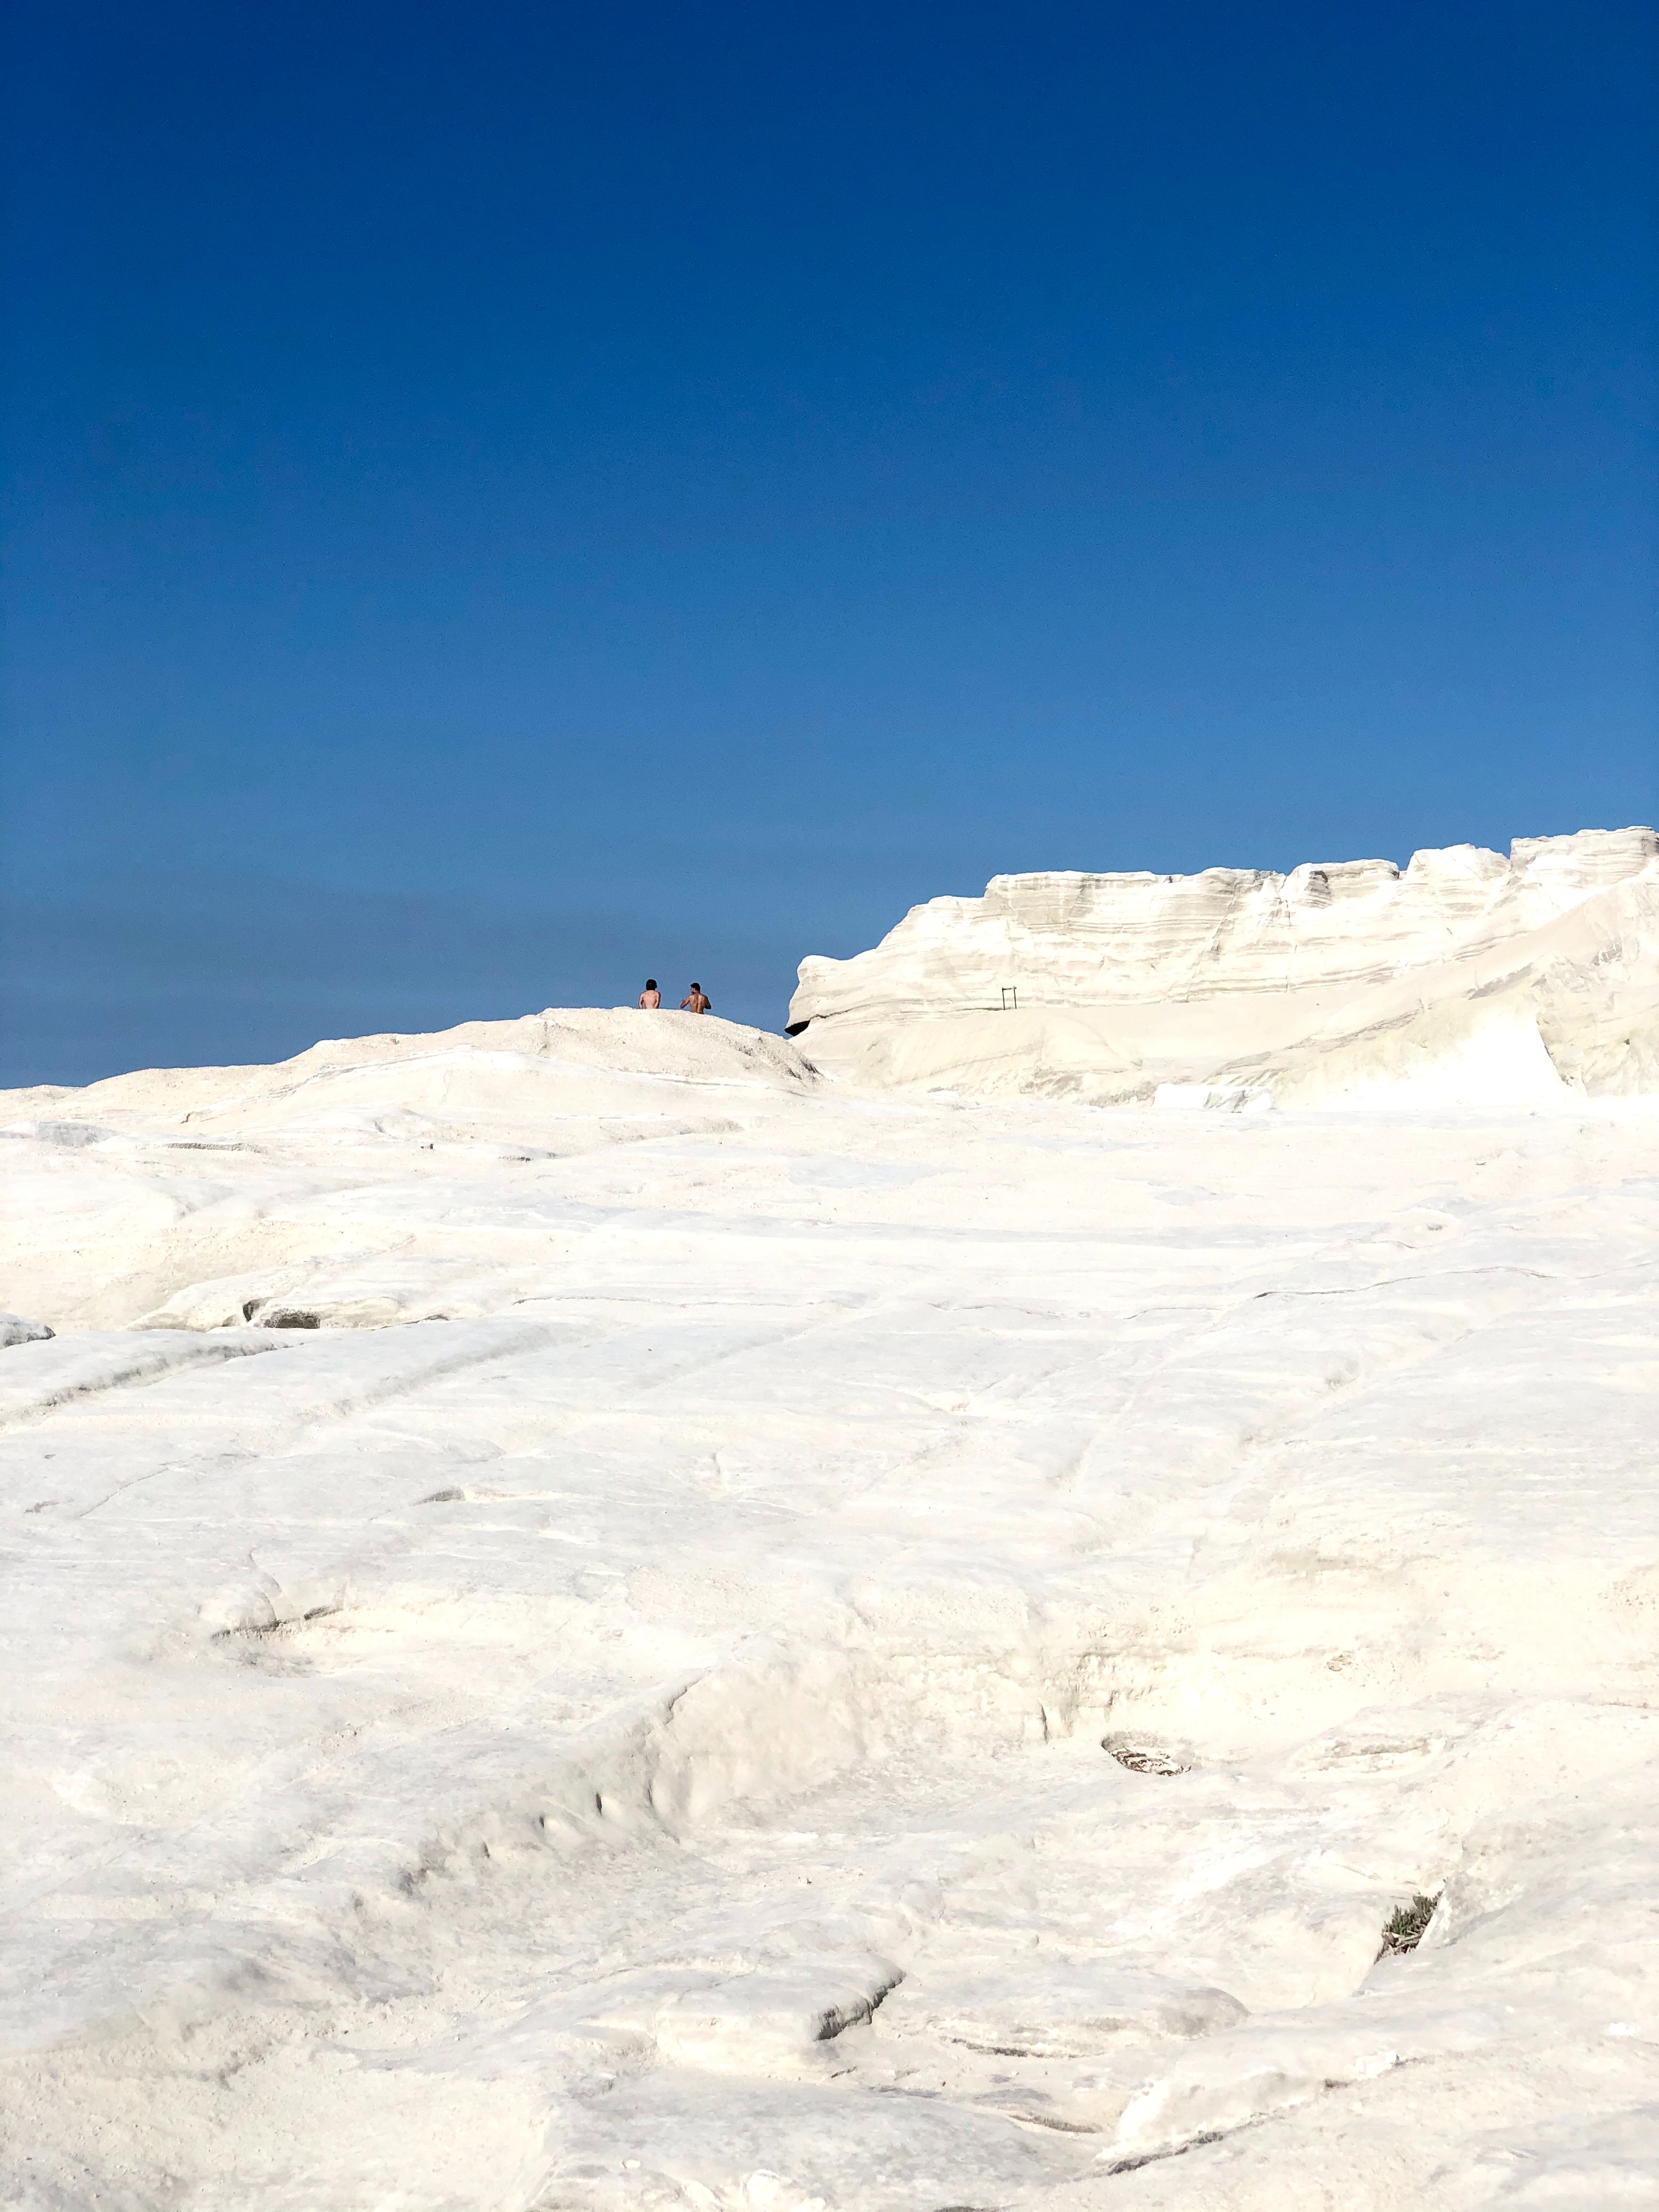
(839, 2018)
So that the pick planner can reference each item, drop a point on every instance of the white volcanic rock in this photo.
(1466, 980)
(592, 1621)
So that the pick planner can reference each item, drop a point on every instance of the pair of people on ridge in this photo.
(694, 1001)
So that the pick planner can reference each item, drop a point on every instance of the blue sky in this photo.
(499, 500)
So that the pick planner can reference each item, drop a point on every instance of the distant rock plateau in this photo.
(1463, 980)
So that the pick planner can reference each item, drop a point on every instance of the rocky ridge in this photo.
(1465, 978)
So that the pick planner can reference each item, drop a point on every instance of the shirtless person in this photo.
(695, 1002)
(651, 996)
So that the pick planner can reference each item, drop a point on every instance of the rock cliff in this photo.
(1464, 978)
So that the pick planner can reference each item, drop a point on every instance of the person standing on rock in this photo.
(694, 1002)
(651, 997)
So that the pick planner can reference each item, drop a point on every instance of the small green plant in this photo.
(1403, 1929)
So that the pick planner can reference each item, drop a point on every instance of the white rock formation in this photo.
(1467, 979)
(593, 1622)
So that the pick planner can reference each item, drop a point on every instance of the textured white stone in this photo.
(13, 1329)
(1467, 979)
(883, 1654)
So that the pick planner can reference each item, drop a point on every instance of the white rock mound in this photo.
(312, 1194)
(1466, 980)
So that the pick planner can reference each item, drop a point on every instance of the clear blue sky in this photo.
(504, 498)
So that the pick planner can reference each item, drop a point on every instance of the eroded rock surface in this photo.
(777, 1646)
(1466, 978)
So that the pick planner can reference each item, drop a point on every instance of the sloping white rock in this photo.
(1465, 980)
(886, 1655)
(194, 1199)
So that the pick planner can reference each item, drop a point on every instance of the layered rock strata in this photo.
(1464, 978)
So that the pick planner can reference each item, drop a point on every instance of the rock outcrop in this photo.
(1466, 978)
(13, 1329)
